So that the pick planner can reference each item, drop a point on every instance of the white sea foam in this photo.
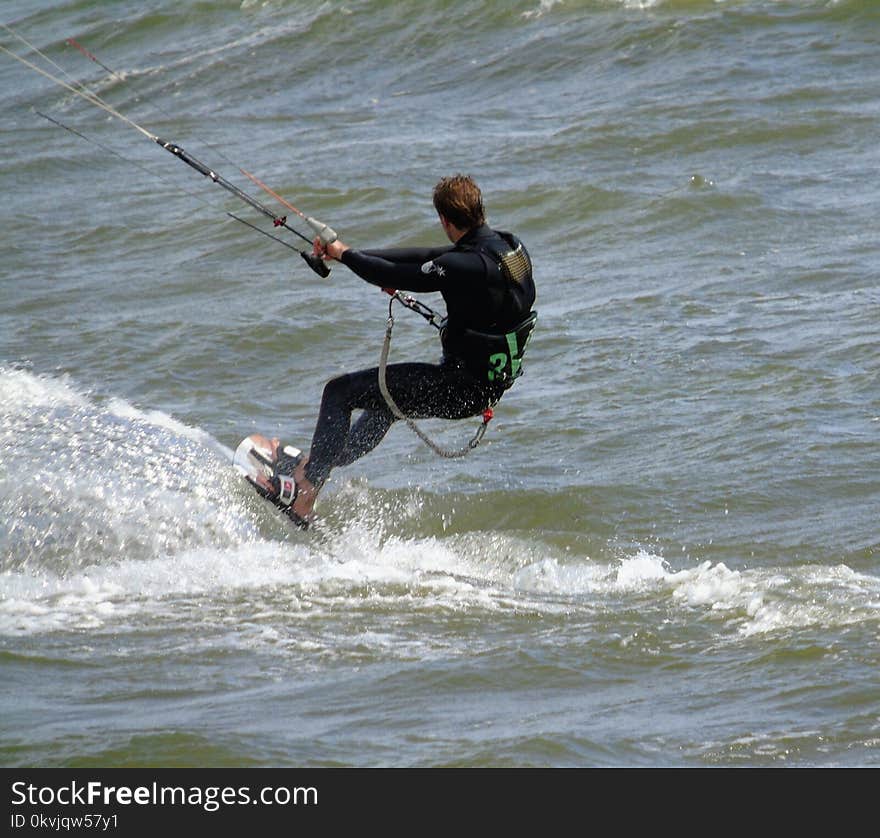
(272, 583)
(22, 391)
(125, 410)
(139, 538)
(542, 8)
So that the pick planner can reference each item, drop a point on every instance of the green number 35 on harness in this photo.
(506, 351)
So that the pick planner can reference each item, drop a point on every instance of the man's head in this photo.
(459, 201)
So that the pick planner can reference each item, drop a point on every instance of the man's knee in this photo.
(336, 389)
(353, 390)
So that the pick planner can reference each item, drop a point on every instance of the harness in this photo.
(497, 355)
(502, 353)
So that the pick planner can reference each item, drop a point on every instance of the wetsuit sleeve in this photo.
(397, 268)
(400, 255)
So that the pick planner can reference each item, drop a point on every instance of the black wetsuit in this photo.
(481, 301)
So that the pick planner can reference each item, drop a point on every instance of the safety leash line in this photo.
(392, 405)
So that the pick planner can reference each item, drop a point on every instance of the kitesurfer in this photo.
(485, 279)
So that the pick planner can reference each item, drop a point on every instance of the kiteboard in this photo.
(268, 467)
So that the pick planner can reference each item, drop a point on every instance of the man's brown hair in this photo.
(459, 200)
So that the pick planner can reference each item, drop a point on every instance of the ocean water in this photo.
(664, 553)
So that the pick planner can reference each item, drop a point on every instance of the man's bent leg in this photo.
(367, 432)
(342, 395)
(419, 390)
